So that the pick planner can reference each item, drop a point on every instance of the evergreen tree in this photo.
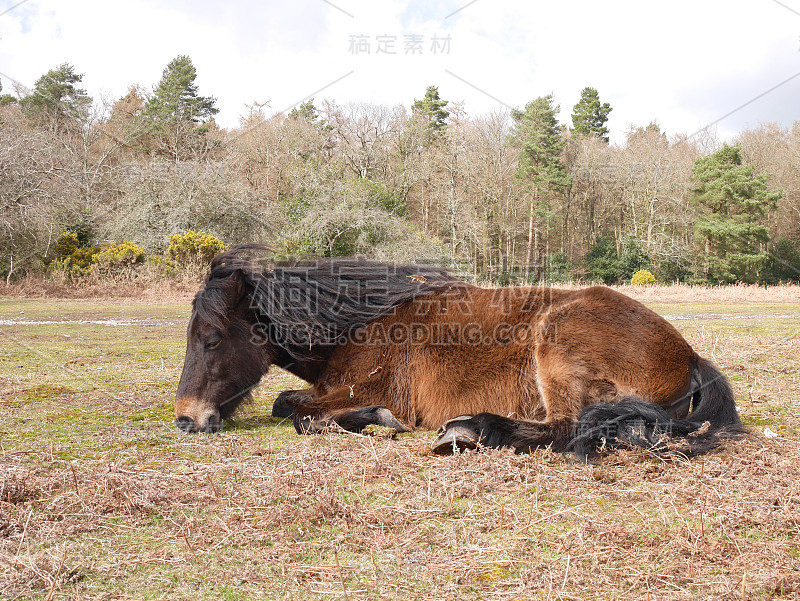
(305, 111)
(176, 96)
(602, 262)
(308, 112)
(178, 116)
(538, 135)
(57, 100)
(732, 201)
(431, 110)
(6, 98)
(589, 116)
(632, 258)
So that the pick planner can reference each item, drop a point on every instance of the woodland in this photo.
(503, 197)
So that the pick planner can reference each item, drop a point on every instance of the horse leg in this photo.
(497, 432)
(564, 387)
(341, 409)
(289, 399)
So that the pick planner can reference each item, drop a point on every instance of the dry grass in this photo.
(742, 293)
(146, 284)
(102, 498)
(149, 285)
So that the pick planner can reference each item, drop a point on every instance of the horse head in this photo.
(226, 352)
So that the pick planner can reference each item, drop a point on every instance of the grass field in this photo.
(101, 497)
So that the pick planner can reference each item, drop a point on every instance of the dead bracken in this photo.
(101, 498)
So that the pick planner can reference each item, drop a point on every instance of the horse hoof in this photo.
(387, 420)
(455, 438)
(443, 428)
(281, 406)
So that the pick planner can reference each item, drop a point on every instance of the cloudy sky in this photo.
(684, 64)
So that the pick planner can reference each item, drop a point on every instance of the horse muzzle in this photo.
(187, 424)
(192, 415)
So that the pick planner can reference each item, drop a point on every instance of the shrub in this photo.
(378, 197)
(194, 248)
(66, 244)
(560, 268)
(118, 256)
(643, 278)
(72, 254)
(783, 264)
(674, 270)
(163, 265)
(602, 262)
(632, 258)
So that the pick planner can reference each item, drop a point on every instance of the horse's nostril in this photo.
(214, 425)
(185, 423)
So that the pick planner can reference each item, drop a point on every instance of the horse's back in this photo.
(619, 340)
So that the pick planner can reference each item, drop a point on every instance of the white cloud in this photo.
(683, 64)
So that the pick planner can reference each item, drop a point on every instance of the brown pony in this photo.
(405, 347)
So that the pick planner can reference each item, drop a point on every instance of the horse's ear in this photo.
(234, 288)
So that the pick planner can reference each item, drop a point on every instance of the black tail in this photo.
(633, 422)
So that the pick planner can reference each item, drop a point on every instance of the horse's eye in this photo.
(213, 344)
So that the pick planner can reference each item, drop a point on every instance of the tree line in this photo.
(506, 196)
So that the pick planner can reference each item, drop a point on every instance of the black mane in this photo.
(309, 305)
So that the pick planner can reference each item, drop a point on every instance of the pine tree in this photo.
(177, 114)
(176, 96)
(308, 112)
(589, 116)
(305, 111)
(732, 201)
(538, 135)
(57, 100)
(431, 110)
(6, 98)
